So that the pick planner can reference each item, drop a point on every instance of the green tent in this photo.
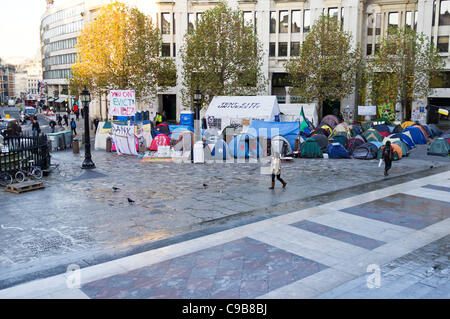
(372, 135)
(439, 147)
(403, 146)
(310, 149)
(341, 139)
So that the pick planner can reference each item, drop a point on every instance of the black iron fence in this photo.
(19, 150)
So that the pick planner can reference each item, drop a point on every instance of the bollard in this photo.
(75, 146)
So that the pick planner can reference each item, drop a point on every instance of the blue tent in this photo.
(405, 138)
(289, 130)
(377, 144)
(416, 135)
(336, 150)
(220, 150)
(245, 145)
(176, 130)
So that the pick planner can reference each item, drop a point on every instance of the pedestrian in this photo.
(96, 124)
(157, 119)
(73, 125)
(387, 156)
(275, 168)
(59, 119)
(77, 114)
(66, 120)
(35, 127)
(52, 125)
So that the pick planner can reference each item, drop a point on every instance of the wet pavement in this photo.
(79, 218)
(333, 250)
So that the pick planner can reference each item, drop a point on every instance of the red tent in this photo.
(159, 140)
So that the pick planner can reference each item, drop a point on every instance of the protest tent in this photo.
(310, 149)
(416, 135)
(281, 145)
(184, 142)
(327, 129)
(330, 120)
(288, 130)
(159, 140)
(177, 130)
(397, 152)
(366, 151)
(342, 128)
(439, 147)
(353, 143)
(291, 112)
(372, 135)
(406, 138)
(226, 110)
(322, 140)
(403, 146)
(423, 130)
(355, 130)
(336, 150)
(220, 150)
(319, 130)
(244, 145)
(436, 131)
(407, 124)
(377, 144)
(391, 139)
(341, 139)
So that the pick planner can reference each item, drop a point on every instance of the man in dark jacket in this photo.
(66, 120)
(35, 127)
(52, 125)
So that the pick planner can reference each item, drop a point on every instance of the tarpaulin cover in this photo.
(289, 130)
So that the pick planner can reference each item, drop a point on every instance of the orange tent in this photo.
(407, 124)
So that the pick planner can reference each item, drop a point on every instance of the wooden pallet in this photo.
(26, 186)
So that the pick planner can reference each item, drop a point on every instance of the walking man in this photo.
(66, 120)
(388, 156)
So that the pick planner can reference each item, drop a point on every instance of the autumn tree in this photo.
(221, 56)
(402, 69)
(327, 64)
(120, 49)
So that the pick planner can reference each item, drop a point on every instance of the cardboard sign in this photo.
(367, 110)
(122, 103)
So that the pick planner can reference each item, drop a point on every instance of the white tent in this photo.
(291, 112)
(226, 110)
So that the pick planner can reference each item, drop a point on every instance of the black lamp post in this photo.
(85, 98)
(197, 101)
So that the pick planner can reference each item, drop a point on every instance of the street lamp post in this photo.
(85, 98)
(197, 101)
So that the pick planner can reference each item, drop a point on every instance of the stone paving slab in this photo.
(78, 214)
(270, 259)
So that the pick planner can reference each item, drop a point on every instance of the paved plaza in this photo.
(396, 247)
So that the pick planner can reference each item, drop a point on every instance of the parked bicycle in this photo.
(34, 171)
(5, 179)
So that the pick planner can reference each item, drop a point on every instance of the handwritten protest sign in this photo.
(122, 103)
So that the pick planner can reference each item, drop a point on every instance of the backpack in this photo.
(386, 152)
(73, 124)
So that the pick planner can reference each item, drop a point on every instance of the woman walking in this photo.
(275, 167)
(388, 155)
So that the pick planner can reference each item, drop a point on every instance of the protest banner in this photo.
(122, 103)
(124, 139)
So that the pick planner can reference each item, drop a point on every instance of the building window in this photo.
(370, 24)
(295, 48)
(191, 22)
(173, 22)
(248, 18)
(333, 13)
(272, 49)
(273, 21)
(282, 49)
(444, 14)
(408, 21)
(306, 20)
(295, 21)
(442, 44)
(393, 20)
(284, 26)
(369, 49)
(415, 20)
(165, 23)
(378, 24)
(377, 47)
(165, 51)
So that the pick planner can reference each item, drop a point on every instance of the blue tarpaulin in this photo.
(289, 130)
